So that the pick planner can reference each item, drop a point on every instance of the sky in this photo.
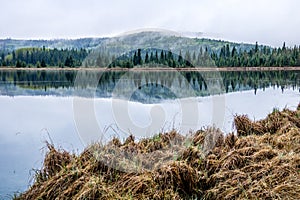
(269, 22)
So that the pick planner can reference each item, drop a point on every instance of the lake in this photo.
(71, 109)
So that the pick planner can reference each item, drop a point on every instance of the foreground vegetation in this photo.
(261, 161)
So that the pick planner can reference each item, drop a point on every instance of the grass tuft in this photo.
(261, 161)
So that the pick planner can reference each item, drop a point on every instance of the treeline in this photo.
(42, 57)
(226, 56)
(259, 56)
(153, 57)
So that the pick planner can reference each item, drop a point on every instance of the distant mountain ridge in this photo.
(144, 47)
(86, 43)
(125, 43)
(167, 41)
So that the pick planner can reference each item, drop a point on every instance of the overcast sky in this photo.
(267, 21)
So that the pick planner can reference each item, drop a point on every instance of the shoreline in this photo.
(155, 69)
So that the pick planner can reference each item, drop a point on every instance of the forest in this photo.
(43, 57)
(226, 56)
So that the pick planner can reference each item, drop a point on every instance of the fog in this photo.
(269, 22)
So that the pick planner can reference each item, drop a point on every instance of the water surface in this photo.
(39, 107)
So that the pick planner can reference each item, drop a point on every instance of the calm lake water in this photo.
(72, 109)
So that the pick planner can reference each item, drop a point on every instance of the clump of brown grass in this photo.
(245, 126)
(55, 160)
(261, 161)
(213, 138)
(230, 140)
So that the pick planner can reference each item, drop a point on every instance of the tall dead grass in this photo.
(261, 161)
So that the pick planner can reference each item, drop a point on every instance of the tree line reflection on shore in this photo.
(165, 84)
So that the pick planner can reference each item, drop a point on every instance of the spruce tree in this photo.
(162, 57)
(256, 47)
(139, 57)
(147, 58)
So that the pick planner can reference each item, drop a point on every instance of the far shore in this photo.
(200, 69)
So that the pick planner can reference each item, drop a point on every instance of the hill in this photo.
(14, 44)
(120, 44)
(148, 47)
(167, 41)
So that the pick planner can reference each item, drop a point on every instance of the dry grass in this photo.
(261, 162)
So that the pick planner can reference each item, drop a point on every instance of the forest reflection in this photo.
(147, 86)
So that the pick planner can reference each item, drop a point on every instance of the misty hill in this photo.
(86, 43)
(125, 43)
(167, 41)
(147, 47)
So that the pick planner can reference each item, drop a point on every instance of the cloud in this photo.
(269, 21)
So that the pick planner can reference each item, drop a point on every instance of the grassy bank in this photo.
(261, 161)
